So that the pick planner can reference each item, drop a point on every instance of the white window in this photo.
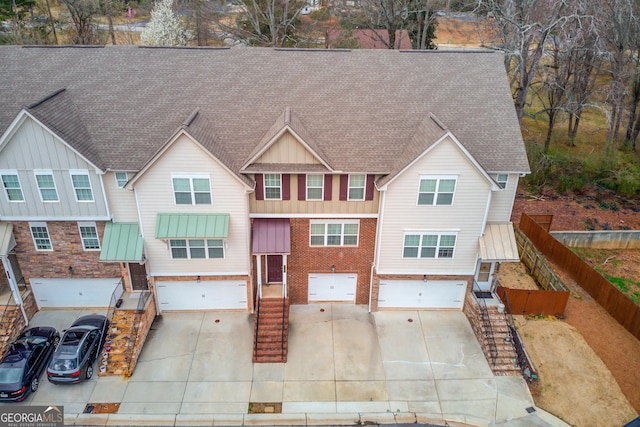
(197, 248)
(82, 186)
(121, 179)
(89, 236)
(192, 190)
(356, 187)
(12, 188)
(47, 186)
(502, 179)
(272, 186)
(334, 233)
(315, 187)
(436, 190)
(40, 235)
(429, 245)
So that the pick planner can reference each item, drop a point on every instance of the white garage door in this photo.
(206, 295)
(75, 293)
(332, 287)
(420, 294)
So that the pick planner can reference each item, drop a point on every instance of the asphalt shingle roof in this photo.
(363, 109)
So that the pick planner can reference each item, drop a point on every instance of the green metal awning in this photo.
(192, 226)
(7, 242)
(121, 242)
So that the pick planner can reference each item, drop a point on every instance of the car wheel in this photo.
(34, 384)
(89, 372)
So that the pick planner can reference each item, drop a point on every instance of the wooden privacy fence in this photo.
(524, 301)
(621, 308)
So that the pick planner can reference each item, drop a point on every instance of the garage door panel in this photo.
(442, 294)
(206, 295)
(332, 287)
(75, 293)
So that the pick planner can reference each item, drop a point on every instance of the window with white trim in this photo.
(191, 189)
(502, 179)
(121, 179)
(272, 186)
(334, 233)
(429, 245)
(89, 236)
(40, 235)
(315, 187)
(46, 186)
(82, 186)
(436, 190)
(196, 248)
(12, 187)
(357, 187)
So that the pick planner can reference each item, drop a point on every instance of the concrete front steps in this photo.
(506, 361)
(271, 331)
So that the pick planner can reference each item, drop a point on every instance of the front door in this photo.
(274, 268)
(138, 275)
(485, 275)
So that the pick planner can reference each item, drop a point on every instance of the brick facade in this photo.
(305, 259)
(67, 252)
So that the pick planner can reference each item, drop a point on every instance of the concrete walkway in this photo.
(345, 366)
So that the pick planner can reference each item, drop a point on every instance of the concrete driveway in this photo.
(345, 366)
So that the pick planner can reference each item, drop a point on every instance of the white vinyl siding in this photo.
(121, 179)
(12, 187)
(46, 186)
(334, 233)
(82, 186)
(356, 187)
(315, 187)
(502, 201)
(228, 193)
(402, 215)
(89, 236)
(435, 190)
(40, 235)
(196, 248)
(191, 190)
(429, 245)
(272, 186)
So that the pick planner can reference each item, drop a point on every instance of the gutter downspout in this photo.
(376, 257)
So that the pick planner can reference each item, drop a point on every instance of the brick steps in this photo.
(506, 361)
(271, 344)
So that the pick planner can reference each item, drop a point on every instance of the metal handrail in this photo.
(133, 335)
(486, 323)
(526, 367)
(255, 339)
(284, 302)
(4, 312)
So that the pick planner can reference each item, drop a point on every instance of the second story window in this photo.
(334, 233)
(11, 184)
(47, 186)
(89, 236)
(272, 186)
(436, 190)
(121, 179)
(82, 186)
(429, 245)
(502, 179)
(356, 187)
(315, 187)
(197, 248)
(40, 235)
(192, 190)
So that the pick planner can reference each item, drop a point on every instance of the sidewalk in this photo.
(345, 366)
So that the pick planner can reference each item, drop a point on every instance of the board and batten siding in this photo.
(155, 195)
(335, 206)
(287, 149)
(33, 147)
(502, 201)
(122, 203)
(402, 213)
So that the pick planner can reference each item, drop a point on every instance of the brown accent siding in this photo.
(305, 259)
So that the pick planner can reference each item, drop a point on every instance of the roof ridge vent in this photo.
(46, 98)
(191, 118)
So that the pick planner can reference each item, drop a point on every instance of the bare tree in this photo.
(84, 15)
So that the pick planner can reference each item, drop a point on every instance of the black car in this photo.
(79, 347)
(24, 361)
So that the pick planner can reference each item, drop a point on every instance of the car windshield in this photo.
(33, 340)
(10, 375)
(63, 364)
(72, 337)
